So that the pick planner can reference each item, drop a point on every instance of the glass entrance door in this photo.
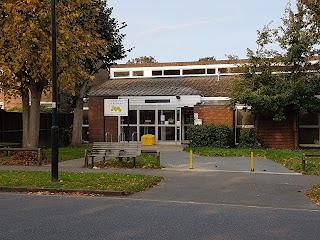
(169, 125)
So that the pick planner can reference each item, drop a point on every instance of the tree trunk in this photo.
(77, 123)
(78, 117)
(25, 117)
(34, 128)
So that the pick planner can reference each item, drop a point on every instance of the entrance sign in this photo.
(116, 107)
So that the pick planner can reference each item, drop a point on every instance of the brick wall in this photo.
(96, 118)
(282, 134)
(16, 101)
(215, 114)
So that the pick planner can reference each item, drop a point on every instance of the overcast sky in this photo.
(186, 30)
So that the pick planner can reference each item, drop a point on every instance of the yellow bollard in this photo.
(252, 162)
(191, 165)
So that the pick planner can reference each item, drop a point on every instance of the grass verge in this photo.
(145, 160)
(68, 153)
(129, 183)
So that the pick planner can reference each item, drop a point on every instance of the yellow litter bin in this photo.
(147, 139)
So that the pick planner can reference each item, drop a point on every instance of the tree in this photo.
(207, 59)
(142, 59)
(296, 84)
(25, 54)
(109, 30)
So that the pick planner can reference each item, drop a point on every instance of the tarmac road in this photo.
(218, 199)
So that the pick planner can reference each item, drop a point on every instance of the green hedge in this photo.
(209, 135)
(249, 138)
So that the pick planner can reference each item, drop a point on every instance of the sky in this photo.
(186, 30)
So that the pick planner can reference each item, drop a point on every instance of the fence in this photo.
(11, 127)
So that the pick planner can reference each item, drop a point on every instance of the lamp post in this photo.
(54, 127)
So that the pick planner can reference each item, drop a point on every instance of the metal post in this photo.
(252, 162)
(191, 163)
(54, 128)
(128, 130)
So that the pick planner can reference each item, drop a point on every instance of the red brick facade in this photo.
(97, 121)
(282, 134)
(215, 114)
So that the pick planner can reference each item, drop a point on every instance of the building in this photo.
(166, 98)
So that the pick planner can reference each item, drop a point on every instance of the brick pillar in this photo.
(215, 114)
(97, 121)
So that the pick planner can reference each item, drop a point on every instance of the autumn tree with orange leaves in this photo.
(25, 51)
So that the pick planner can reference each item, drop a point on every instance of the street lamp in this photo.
(54, 128)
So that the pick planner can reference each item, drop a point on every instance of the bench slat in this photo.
(113, 149)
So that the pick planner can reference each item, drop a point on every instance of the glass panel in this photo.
(244, 117)
(211, 71)
(132, 133)
(157, 73)
(137, 73)
(121, 74)
(85, 134)
(193, 71)
(309, 119)
(132, 116)
(309, 135)
(188, 117)
(147, 116)
(171, 72)
(166, 117)
(147, 130)
(166, 133)
(85, 117)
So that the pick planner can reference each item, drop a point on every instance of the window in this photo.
(171, 72)
(132, 117)
(193, 71)
(244, 119)
(309, 129)
(211, 71)
(138, 73)
(147, 116)
(157, 73)
(121, 74)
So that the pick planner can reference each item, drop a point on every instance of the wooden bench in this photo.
(304, 155)
(113, 149)
(8, 150)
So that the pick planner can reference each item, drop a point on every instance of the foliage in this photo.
(14, 109)
(129, 183)
(249, 138)
(65, 136)
(142, 59)
(209, 135)
(207, 59)
(294, 87)
(25, 50)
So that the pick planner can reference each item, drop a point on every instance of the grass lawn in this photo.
(129, 183)
(291, 159)
(68, 153)
(145, 160)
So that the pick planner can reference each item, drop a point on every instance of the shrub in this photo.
(209, 135)
(249, 138)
